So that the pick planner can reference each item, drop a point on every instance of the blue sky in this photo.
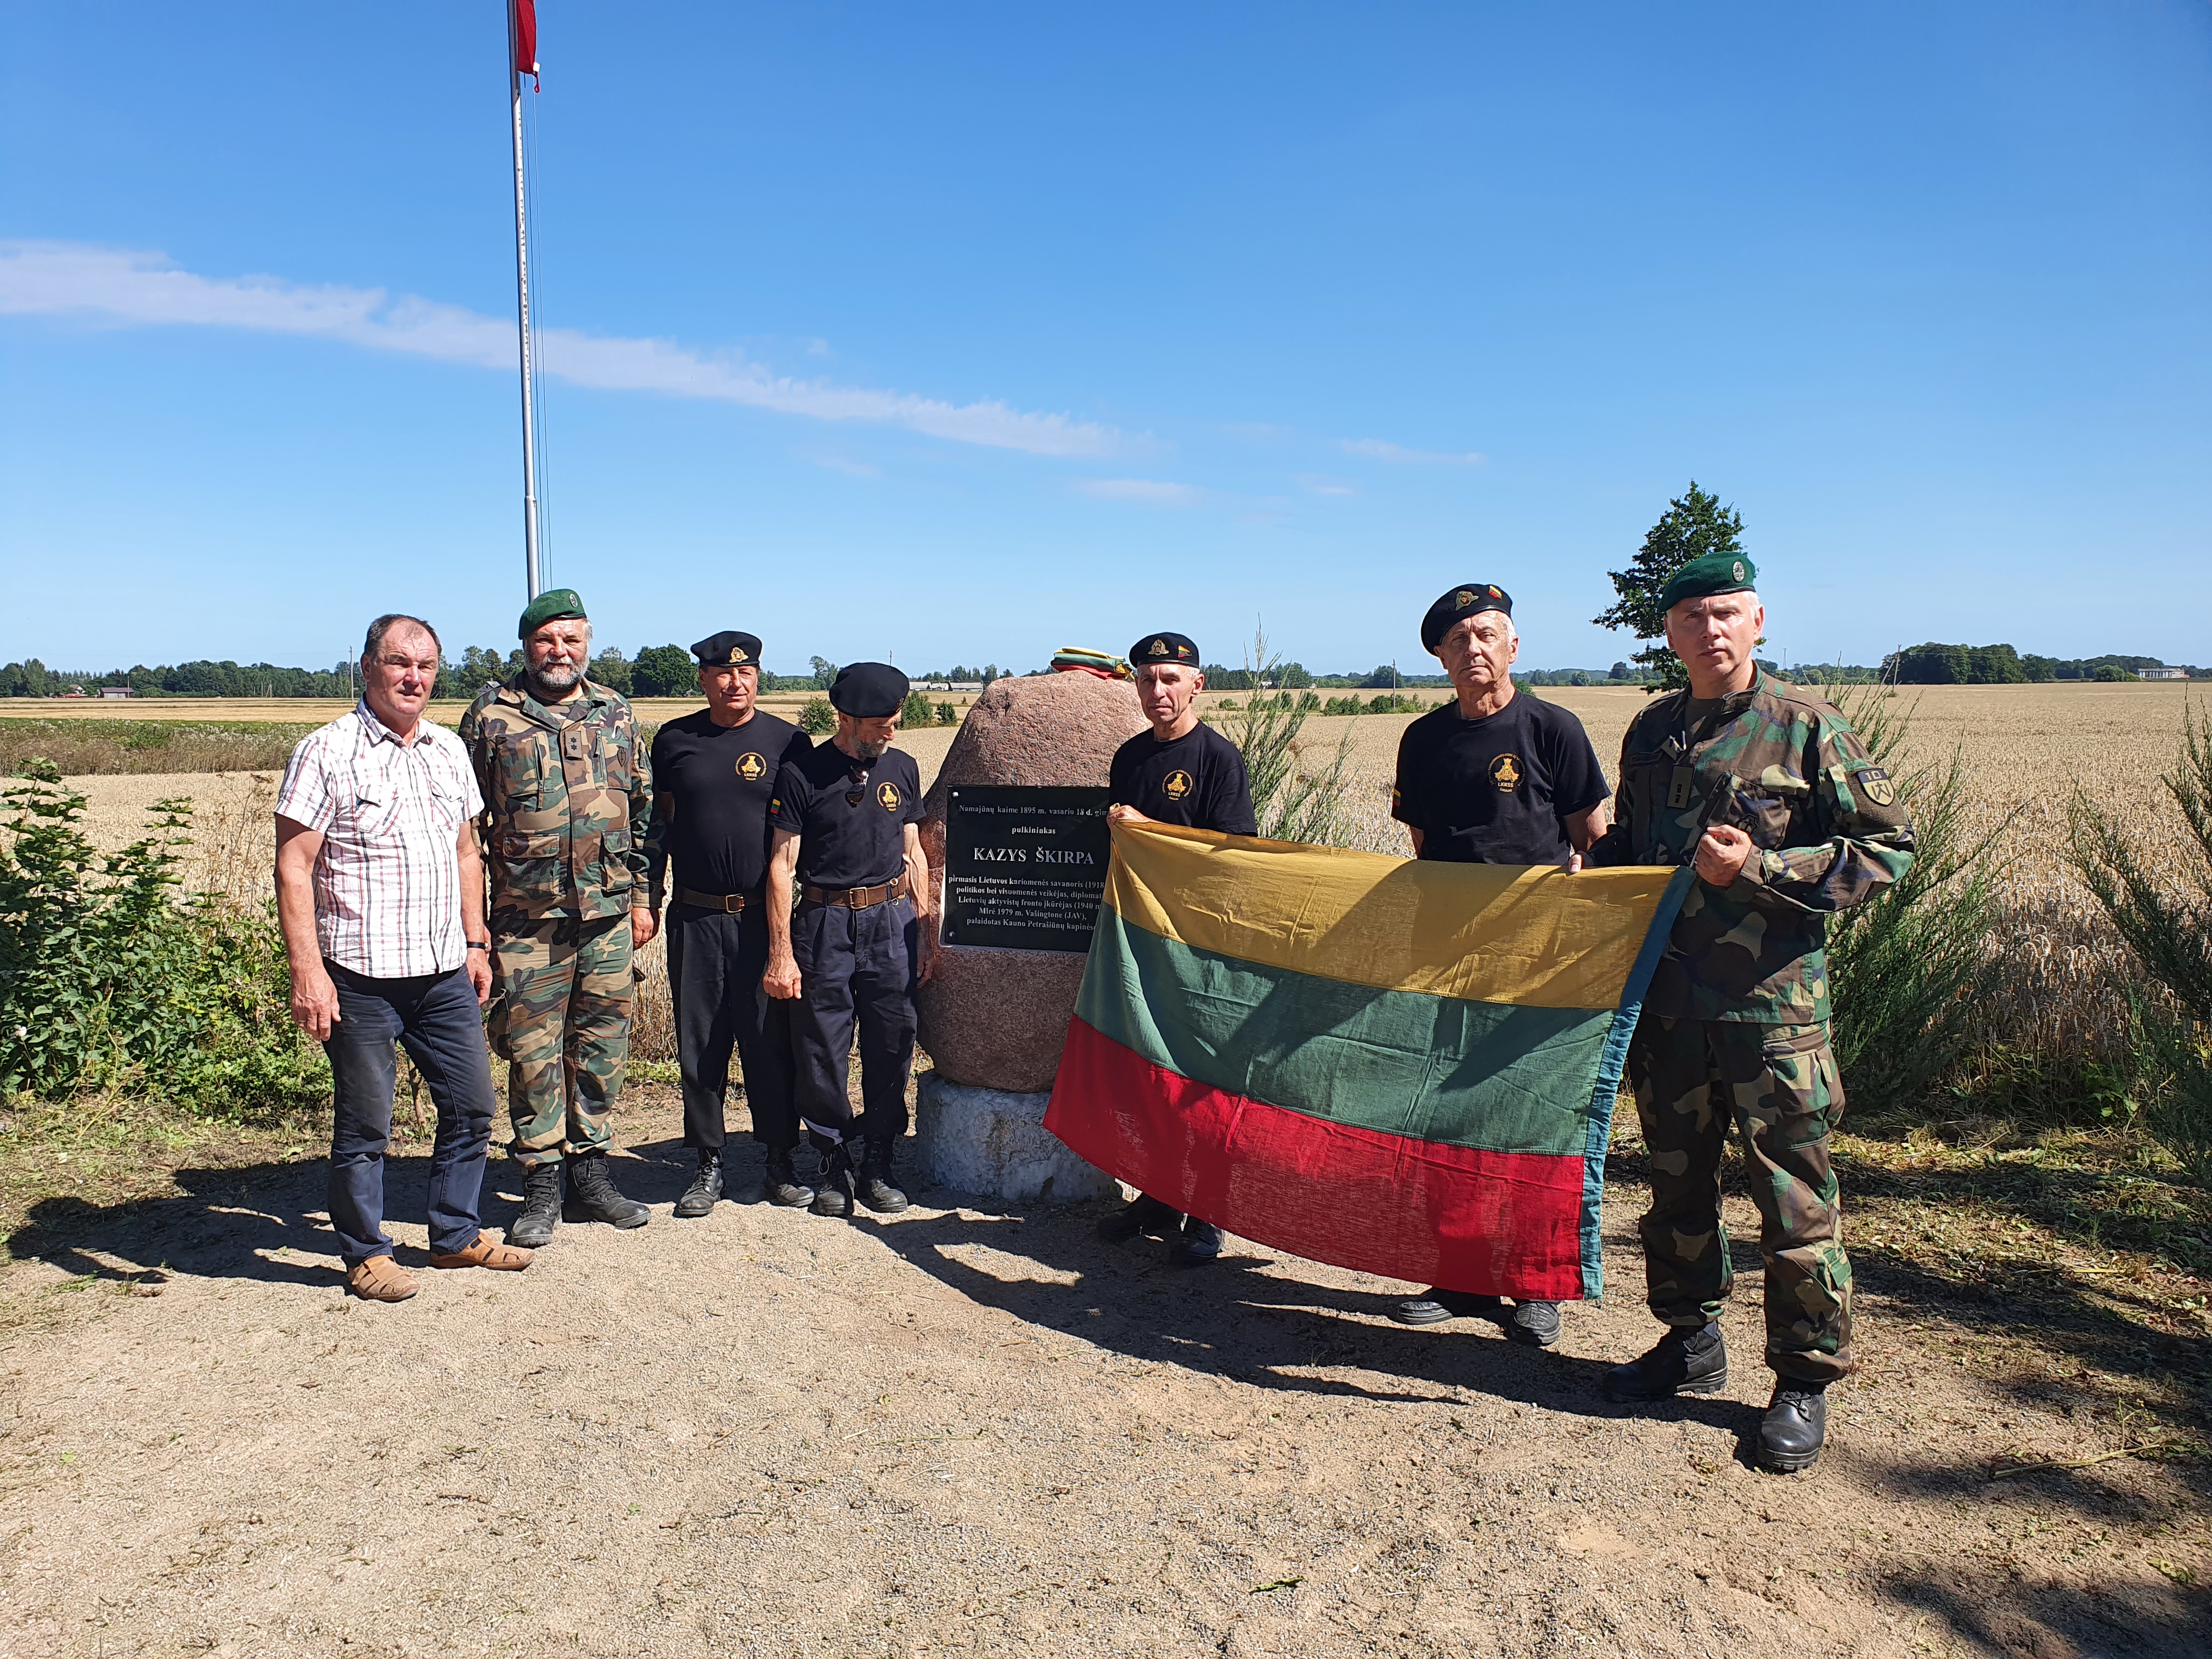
(963, 332)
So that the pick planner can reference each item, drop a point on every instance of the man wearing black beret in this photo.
(713, 775)
(846, 845)
(1182, 771)
(1493, 778)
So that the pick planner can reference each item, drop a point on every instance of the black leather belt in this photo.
(856, 898)
(729, 903)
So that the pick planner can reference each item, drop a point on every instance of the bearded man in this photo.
(568, 796)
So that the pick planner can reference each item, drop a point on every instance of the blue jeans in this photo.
(434, 1017)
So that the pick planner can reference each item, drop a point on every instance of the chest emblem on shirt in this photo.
(1505, 773)
(751, 768)
(888, 794)
(1876, 785)
(1177, 787)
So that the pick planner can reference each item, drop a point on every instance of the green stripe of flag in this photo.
(1441, 1069)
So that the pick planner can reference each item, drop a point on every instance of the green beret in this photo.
(552, 603)
(1716, 572)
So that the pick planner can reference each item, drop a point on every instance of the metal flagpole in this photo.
(514, 73)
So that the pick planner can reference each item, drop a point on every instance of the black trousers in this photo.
(715, 961)
(855, 967)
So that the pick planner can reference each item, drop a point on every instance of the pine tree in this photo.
(1693, 526)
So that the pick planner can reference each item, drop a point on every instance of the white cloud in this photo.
(128, 288)
(1150, 492)
(1378, 449)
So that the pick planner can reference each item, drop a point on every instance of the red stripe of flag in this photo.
(1500, 1224)
(522, 29)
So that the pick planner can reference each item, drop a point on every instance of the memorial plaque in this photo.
(1024, 868)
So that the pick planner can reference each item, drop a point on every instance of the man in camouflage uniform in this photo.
(566, 794)
(1770, 793)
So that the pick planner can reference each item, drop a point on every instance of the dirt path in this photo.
(769, 1434)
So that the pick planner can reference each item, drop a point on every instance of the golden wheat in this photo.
(2063, 973)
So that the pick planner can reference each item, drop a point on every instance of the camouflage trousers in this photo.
(560, 1018)
(1777, 1087)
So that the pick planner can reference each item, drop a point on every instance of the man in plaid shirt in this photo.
(380, 891)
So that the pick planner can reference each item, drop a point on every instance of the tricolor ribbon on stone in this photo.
(1401, 1067)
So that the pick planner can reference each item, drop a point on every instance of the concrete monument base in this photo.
(993, 1141)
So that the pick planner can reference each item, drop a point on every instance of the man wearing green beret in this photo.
(568, 793)
(1770, 794)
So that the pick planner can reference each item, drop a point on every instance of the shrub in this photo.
(917, 710)
(109, 975)
(1906, 969)
(947, 715)
(2166, 917)
(1292, 803)
(816, 718)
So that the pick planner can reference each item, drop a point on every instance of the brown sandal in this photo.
(380, 1279)
(482, 1252)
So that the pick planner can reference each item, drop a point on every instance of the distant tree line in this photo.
(668, 671)
(2001, 665)
(657, 671)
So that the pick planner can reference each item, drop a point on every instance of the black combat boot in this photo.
(875, 1190)
(1141, 1214)
(706, 1187)
(1533, 1324)
(1683, 1362)
(1198, 1243)
(592, 1197)
(1796, 1427)
(783, 1185)
(532, 1230)
(1436, 1305)
(834, 1197)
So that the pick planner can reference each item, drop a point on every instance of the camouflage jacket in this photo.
(566, 803)
(1826, 833)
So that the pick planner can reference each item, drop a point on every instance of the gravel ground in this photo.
(962, 1430)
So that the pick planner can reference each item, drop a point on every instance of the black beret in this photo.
(728, 649)
(868, 691)
(1465, 600)
(1164, 648)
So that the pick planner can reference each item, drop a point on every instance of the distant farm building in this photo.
(116, 691)
(2165, 673)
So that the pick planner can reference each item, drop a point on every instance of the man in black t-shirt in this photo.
(1182, 771)
(859, 943)
(1493, 778)
(713, 774)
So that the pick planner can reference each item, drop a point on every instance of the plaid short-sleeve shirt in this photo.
(387, 879)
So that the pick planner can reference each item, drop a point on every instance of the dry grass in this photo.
(2064, 972)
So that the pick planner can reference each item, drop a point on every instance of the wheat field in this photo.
(2063, 975)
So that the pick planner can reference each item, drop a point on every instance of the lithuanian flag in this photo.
(1407, 1068)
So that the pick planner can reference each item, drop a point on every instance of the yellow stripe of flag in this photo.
(1536, 937)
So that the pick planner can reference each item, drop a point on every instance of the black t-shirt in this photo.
(1197, 779)
(711, 788)
(1498, 790)
(859, 841)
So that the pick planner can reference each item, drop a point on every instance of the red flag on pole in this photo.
(522, 30)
